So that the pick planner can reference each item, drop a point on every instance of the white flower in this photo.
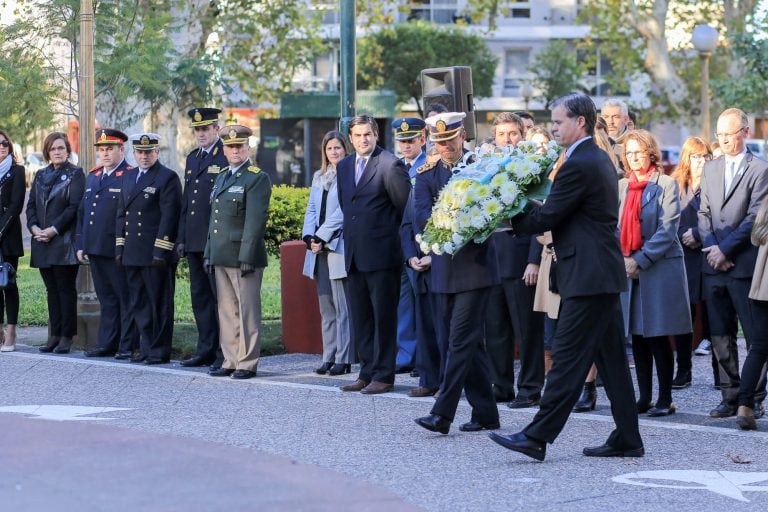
(457, 239)
(477, 218)
(509, 192)
(436, 249)
(491, 207)
(448, 248)
(498, 179)
(424, 247)
(418, 238)
(464, 220)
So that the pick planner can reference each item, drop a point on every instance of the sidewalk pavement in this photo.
(166, 438)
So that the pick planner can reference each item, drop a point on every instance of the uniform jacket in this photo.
(53, 201)
(419, 280)
(239, 218)
(330, 231)
(475, 265)
(657, 303)
(373, 210)
(12, 193)
(147, 215)
(201, 171)
(98, 211)
(726, 219)
(582, 213)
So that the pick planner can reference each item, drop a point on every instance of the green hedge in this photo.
(286, 216)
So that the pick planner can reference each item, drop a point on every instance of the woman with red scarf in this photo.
(656, 304)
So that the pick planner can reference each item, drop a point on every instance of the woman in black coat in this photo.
(12, 190)
(51, 214)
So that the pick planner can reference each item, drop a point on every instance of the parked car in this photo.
(670, 157)
(32, 163)
(757, 147)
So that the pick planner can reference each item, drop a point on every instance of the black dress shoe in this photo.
(475, 426)
(123, 355)
(435, 423)
(588, 398)
(195, 361)
(99, 352)
(723, 411)
(644, 407)
(340, 369)
(138, 358)
(323, 368)
(243, 374)
(406, 368)
(415, 373)
(156, 360)
(682, 381)
(607, 450)
(221, 372)
(521, 443)
(521, 402)
(657, 411)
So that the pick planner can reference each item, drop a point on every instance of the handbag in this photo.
(553, 274)
(7, 274)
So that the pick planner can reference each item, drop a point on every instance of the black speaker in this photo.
(452, 88)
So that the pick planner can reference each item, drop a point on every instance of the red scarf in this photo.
(631, 236)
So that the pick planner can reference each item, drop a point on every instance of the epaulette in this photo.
(97, 168)
(426, 167)
(253, 169)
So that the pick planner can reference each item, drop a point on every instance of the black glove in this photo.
(246, 268)
(308, 240)
(207, 266)
(119, 259)
(181, 250)
(159, 262)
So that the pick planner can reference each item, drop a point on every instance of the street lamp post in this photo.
(704, 39)
(526, 91)
(348, 74)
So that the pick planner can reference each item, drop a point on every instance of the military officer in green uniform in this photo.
(236, 252)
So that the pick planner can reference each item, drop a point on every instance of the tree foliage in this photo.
(556, 71)
(393, 58)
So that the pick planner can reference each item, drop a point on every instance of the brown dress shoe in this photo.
(421, 391)
(358, 385)
(745, 418)
(376, 388)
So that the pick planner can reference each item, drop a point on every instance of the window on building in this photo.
(436, 11)
(516, 9)
(596, 79)
(516, 62)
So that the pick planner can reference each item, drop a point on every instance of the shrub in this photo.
(286, 216)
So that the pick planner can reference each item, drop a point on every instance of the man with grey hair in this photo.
(615, 113)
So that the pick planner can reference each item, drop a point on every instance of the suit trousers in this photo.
(202, 288)
(239, 317)
(727, 300)
(117, 330)
(151, 290)
(334, 314)
(428, 358)
(406, 321)
(754, 370)
(466, 365)
(589, 329)
(372, 299)
(61, 290)
(510, 317)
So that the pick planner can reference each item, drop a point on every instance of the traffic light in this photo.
(451, 87)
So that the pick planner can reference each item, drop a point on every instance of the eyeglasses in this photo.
(5, 143)
(724, 135)
(636, 154)
(701, 157)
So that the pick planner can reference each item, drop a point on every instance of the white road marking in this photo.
(725, 483)
(61, 412)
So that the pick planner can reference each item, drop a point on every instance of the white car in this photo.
(757, 147)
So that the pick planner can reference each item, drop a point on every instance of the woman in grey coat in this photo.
(324, 261)
(656, 304)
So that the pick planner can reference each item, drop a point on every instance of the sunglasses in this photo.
(5, 143)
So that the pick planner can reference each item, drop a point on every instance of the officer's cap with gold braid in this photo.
(407, 128)
(203, 116)
(109, 137)
(445, 126)
(145, 141)
(235, 134)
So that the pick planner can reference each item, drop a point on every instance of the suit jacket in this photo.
(98, 210)
(199, 177)
(514, 253)
(726, 218)
(329, 231)
(475, 265)
(53, 201)
(372, 210)
(689, 219)
(239, 218)
(147, 218)
(582, 213)
(12, 193)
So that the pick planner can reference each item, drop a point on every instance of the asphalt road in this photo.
(166, 438)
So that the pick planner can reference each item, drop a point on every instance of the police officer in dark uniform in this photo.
(202, 167)
(146, 227)
(460, 284)
(95, 243)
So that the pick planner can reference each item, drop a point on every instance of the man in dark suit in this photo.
(95, 243)
(582, 213)
(373, 188)
(731, 190)
(145, 230)
(202, 167)
(460, 284)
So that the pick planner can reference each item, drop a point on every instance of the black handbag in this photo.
(553, 275)
(7, 274)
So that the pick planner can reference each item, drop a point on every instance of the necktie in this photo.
(408, 167)
(360, 168)
(138, 177)
(730, 173)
